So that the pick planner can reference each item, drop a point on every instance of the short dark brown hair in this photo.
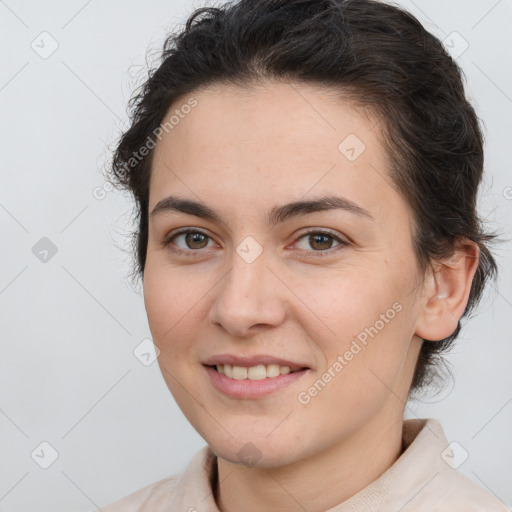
(378, 54)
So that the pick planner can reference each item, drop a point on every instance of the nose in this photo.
(249, 298)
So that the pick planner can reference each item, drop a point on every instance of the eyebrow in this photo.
(276, 215)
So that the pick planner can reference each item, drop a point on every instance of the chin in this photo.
(256, 451)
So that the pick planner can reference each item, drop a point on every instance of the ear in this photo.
(446, 292)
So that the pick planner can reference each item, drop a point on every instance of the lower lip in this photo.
(247, 388)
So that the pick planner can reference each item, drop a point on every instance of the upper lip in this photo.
(255, 360)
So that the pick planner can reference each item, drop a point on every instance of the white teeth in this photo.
(239, 372)
(258, 372)
(273, 370)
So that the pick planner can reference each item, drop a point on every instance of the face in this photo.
(308, 310)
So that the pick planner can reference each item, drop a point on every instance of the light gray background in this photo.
(69, 325)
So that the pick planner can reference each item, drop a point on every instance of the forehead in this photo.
(263, 141)
(299, 112)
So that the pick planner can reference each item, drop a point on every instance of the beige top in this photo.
(420, 480)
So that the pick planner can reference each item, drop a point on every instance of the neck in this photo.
(339, 472)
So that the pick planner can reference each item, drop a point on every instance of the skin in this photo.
(242, 152)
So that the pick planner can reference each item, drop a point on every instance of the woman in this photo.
(305, 175)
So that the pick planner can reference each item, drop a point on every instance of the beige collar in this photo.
(417, 467)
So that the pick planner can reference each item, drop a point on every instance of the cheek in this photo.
(365, 321)
(171, 298)
(351, 300)
(172, 302)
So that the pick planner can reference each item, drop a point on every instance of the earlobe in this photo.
(446, 292)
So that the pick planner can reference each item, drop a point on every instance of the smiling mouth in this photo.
(258, 372)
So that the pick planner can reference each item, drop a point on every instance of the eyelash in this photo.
(168, 241)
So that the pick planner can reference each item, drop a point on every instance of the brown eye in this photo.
(187, 241)
(195, 240)
(320, 243)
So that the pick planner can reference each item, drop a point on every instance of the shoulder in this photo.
(424, 478)
(451, 491)
(439, 486)
(176, 492)
(153, 497)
